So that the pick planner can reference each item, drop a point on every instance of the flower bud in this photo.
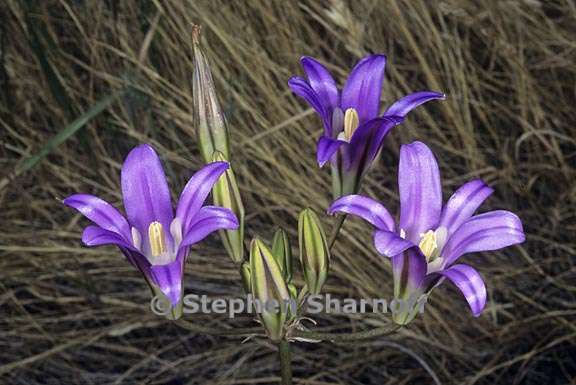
(314, 252)
(245, 274)
(269, 289)
(293, 291)
(283, 253)
(226, 194)
(208, 116)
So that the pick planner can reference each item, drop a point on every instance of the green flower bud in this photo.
(293, 291)
(269, 289)
(245, 274)
(208, 116)
(283, 253)
(227, 194)
(314, 252)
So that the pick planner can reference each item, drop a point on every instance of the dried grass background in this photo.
(73, 315)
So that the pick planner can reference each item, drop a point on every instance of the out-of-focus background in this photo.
(73, 315)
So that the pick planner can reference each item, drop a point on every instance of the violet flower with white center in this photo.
(430, 237)
(353, 129)
(152, 238)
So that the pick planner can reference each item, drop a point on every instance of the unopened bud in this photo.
(314, 252)
(245, 274)
(208, 116)
(269, 288)
(283, 253)
(226, 194)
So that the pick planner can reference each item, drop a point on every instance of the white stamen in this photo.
(176, 231)
(402, 233)
(136, 238)
(337, 120)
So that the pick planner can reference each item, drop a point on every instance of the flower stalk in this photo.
(285, 357)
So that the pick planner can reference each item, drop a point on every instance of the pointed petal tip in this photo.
(375, 56)
(296, 81)
(225, 165)
(304, 59)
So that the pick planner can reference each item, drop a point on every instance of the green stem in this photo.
(285, 362)
(336, 337)
(336, 231)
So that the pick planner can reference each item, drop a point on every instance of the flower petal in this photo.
(489, 231)
(301, 88)
(145, 190)
(363, 87)
(321, 82)
(470, 283)
(403, 106)
(390, 244)
(97, 236)
(366, 208)
(139, 261)
(409, 270)
(327, 148)
(366, 143)
(196, 191)
(168, 278)
(101, 213)
(463, 203)
(208, 220)
(420, 190)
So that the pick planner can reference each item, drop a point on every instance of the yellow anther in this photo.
(157, 239)
(351, 122)
(428, 244)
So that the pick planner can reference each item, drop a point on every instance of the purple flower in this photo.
(353, 129)
(430, 237)
(152, 238)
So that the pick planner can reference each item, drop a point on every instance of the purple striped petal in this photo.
(168, 278)
(196, 191)
(327, 148)
(139, 261)
(409, 270)
(372, 141)
(145, 190)
(420, 190)
(470, 283)
(101, 213)
(406, 104)
(97, 236)
(366, 142)
(463, 203)
(301, 88)
(363, 87)
(485, 232)
(366, 208)
(390, 244)
(208, 220)
(321, 82)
